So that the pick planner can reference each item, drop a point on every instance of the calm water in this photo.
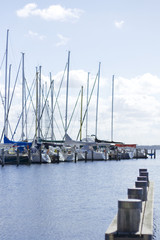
(68, 201)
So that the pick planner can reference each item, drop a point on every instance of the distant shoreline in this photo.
(157, 147)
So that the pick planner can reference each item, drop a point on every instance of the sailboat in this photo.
(88, 150)
(18, 143)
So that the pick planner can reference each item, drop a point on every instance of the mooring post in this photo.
(117, 155)
(142, 174)
(142, 170)
(135, 193)
(146, 153)
(85, 156)
(29, 156)
(57, 156)
(40, 155)
(18, 157)
(105, 153)
(142, 184)
(143, 178)
(92, 155)
(75, 157)
(3, 157)
(129, 212)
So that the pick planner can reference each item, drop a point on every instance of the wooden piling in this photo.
(105, 153)
(40, 154)
(29, 156)
(92, 155)
(75, 157)
(18, 159)
(131, 208)
(85, 156)
(3, 157)
(57, 156)
(146, 153)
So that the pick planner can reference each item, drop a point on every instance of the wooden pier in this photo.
(145, 226)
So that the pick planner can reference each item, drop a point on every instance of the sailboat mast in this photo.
(42, 119)
(87, 106)
(112, 108)
(67, 93)
(23, 86)
(26, 117)
(81, 113)
(39, 102)
(36, 103)
(46, 111)
(9, 81)
(52, 88)
(97, 100)
(5, 105)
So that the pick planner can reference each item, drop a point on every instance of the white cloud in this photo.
(77, 78)
(136, 109)
(119, 24)
(27, 10)
(53, 12)
(62, 40)
(36, 35)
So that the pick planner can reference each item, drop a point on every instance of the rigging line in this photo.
(2, 98)
(3, 106)
(31, 102)
(47, 109)
(59, 114)
(12, 49)
(0, 69)
(11, 99)
(60, 86)
(3, 60)
(29, 91)
(21, 115)
(31, 94)
(60, 117)
(22, 111)
(43, 109)
(56, 102)
(73, 110)
(88, 104)
(31, 127)
(58, 129)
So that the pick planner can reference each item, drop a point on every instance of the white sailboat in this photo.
(85, 149)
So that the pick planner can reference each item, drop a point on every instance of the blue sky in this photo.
(123, 35)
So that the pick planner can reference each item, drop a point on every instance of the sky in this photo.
(122, 35)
